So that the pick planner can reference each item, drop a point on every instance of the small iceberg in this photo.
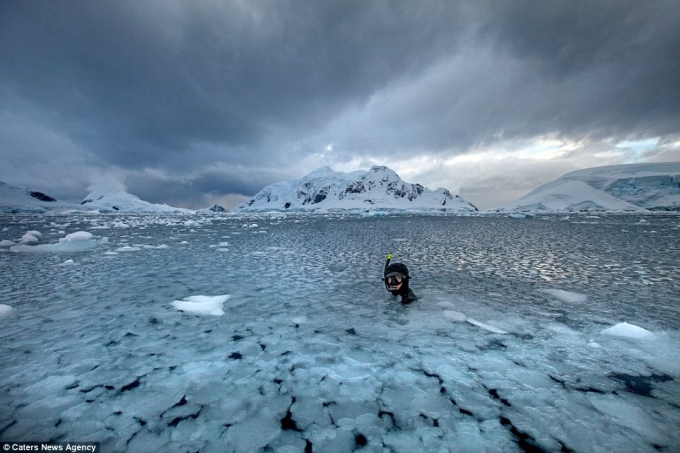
(74, 242)
(202, 305)
(5, 310)
(566, 296)
(623, 329)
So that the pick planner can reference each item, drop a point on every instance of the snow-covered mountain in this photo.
(378, 188)
(20, 200)
(633, 187)
(106, 199)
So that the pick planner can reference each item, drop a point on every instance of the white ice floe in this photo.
(5, 310)
(202, 305)
(128, 248)
(623, 329)
(31, 237)
(485, 326)
(74, 242)
(566, 296)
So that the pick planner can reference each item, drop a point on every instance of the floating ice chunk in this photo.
(256, 431)
(350, 371)
(485, 326)
(30, 237)
(127, 248)
(623, 329)
(202, 305)
(5, 310)
(454, 315)
(6, 243)
(629, 415)
(566, 296)
(74, 242)
(77, 236)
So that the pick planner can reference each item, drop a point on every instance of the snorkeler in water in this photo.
(396, 278)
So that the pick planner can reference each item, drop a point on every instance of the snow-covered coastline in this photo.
(634, 188)
(637, 188)
(101, 200)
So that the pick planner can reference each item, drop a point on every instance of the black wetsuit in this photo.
(406, 293)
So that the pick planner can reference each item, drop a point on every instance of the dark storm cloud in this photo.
(618, 57)
(579, 69)
(148, 78)
(182, 87)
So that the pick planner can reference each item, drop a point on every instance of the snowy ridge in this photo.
(378, 188)
(634, 188)
(117, 200)
(101, 199)
(20, 200)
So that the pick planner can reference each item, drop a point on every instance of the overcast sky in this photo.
(192, 103)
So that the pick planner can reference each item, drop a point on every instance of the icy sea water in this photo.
(312, 354)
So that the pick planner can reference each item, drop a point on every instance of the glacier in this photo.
(616, 188)
(274, 333)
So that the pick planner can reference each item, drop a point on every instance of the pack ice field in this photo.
(274, 333)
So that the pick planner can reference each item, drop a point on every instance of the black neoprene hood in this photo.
(397, 267)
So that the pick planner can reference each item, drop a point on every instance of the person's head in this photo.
(396, 278)
(394, 281)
